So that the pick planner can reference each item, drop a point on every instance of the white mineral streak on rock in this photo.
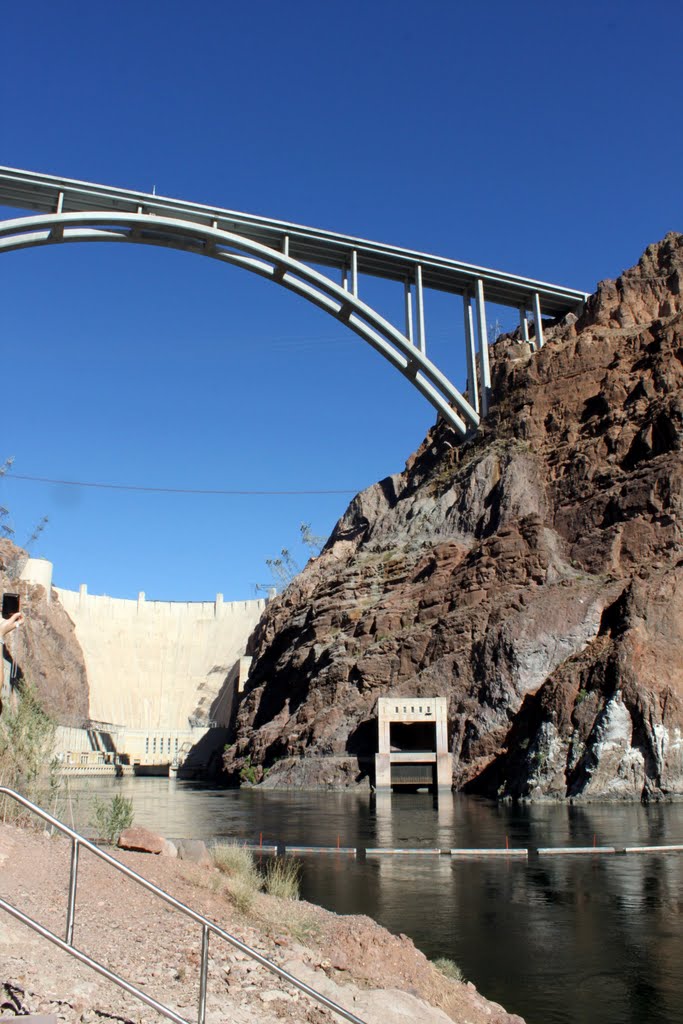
(668, 750)
(659, 738)
(548, 755)
(618, 768)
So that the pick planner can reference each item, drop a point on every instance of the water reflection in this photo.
(559, 940)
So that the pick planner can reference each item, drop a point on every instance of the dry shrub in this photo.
(282, 878)
(448, 968)
(242, 893)
(243, 880)
(235, 861)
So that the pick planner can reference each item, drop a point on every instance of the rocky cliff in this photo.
(44, 650)
(532, 575)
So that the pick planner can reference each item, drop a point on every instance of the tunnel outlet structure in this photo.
(413, 743)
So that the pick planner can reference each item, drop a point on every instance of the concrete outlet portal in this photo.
(413, 743)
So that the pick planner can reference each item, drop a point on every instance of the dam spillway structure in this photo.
(164, 678)
(413, 744)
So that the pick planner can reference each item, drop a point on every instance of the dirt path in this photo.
(380, 977)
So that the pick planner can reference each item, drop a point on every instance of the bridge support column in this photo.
(471, 352)
(420, 311)
(523, 323)
(409, 311)
(538, 322)
(483, 348)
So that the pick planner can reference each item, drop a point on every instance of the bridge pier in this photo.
(484, 365)
(420, 311)
(538, 322)
(523, 323)
(408, 293)
(471, 352)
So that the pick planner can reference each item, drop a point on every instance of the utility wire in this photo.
(167, 490)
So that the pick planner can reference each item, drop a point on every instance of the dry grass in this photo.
(303, 927)
(282, 878)
(448, 968)
(243, 882)
(235, 861)
(242, 893)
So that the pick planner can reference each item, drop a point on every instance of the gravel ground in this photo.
(380, 977)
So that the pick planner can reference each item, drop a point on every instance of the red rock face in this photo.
(531, 575)
(47, 653)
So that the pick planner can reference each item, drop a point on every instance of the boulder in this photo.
(141, 840)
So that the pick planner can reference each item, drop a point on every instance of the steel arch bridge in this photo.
(77, 211)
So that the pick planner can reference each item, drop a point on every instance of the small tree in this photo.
(110, 819)
(284, 568)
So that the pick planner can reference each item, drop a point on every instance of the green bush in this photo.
(27, 756)
(248, 771)
(110, 819)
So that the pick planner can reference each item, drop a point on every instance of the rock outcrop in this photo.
(532, 575)
(44, 650)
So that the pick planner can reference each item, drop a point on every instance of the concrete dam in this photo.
(163, 676)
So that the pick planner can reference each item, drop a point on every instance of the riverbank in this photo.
(378, 976)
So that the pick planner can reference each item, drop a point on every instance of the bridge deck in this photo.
(46, 193)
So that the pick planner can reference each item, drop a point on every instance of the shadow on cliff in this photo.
(205, 759)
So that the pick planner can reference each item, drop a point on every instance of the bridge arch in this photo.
(271, 264)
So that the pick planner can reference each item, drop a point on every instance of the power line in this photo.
(169, 490)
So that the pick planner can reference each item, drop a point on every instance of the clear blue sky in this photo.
(536, 137)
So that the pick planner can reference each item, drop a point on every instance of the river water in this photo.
(559, 940)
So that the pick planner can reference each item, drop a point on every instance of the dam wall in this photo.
(161, 669)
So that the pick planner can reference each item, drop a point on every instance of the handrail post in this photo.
(71, 907)
(203, 976)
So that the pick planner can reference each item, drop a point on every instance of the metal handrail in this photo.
(207, 926)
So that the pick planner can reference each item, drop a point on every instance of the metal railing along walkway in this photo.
(208, 928)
